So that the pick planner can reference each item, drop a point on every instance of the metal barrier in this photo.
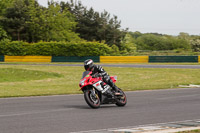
(124, 59)
(173, 59)
(27, 58)
(74, 58)
(199, 59)
(1, 58)
(101, 59)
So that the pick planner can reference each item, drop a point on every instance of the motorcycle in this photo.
(97, 92)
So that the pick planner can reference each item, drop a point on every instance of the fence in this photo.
(173, 58)
(101, 59)
(27, 58)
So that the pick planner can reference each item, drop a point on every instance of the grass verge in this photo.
(64, 79)
(15, 75)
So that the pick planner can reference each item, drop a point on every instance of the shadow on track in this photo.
(87, 107)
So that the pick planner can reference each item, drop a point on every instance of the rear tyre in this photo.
(122, 100)
(92, 99)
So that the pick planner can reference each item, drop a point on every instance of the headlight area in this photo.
(82, 82)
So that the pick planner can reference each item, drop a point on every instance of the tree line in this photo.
(156, 42)
(65, 21)
(28, 21)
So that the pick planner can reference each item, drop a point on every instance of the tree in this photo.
(183, 35)
(114, 34)
(52, 23)
(3, 5)
(14, 20)
(128, 43)
(148, 42)
(97, 26)
(27, 20)
(195, 44)
(158, 42)
(135, 34)
(3, 34)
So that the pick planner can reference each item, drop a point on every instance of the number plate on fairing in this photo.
(98, 86)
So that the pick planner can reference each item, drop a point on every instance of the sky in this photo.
(150, 16)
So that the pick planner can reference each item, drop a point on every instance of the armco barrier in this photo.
(27, 58)
(124, 59)
(199, 59)
(74, 58)
(101, 59)
(173, 59)
(1, 58)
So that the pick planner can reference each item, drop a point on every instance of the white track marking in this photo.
(135, 127)
(35, 112)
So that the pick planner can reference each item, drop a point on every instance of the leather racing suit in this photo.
(99, 71)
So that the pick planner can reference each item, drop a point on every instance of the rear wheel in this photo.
(121, 100)
(92, 98)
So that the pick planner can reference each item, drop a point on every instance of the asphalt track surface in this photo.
(70, 113)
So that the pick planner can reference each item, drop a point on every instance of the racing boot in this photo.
(109, 94)
(114, 88)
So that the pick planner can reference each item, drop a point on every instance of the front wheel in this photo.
(92, 98)
(122, 100)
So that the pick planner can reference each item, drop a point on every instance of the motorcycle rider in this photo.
(98, 71)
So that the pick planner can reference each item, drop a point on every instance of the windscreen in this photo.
(85, 74)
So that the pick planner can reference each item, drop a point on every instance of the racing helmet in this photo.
(88, 64)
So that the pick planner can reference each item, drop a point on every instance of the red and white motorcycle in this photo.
(96, 91)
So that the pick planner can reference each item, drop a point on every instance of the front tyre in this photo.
(122, 100)
(92, 98)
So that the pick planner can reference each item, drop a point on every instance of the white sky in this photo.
(161, 16)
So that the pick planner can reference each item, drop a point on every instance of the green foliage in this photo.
(128, 43)
(55, 48)
(97, 26)
(195, 42)
(159, 42)
(3, 34)
(51, 24)
(70, 49)
(27, 20)
(148, 42)
(3, 5)
(14, 48)
(115, 50)
(183, 35)
(3, 44)
(135, 34)
(14, 20)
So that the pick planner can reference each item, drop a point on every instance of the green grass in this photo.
(160, 78)
(34, 80)
(15, 75)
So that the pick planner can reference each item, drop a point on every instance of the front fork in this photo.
(96, 94)
(93, 92)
